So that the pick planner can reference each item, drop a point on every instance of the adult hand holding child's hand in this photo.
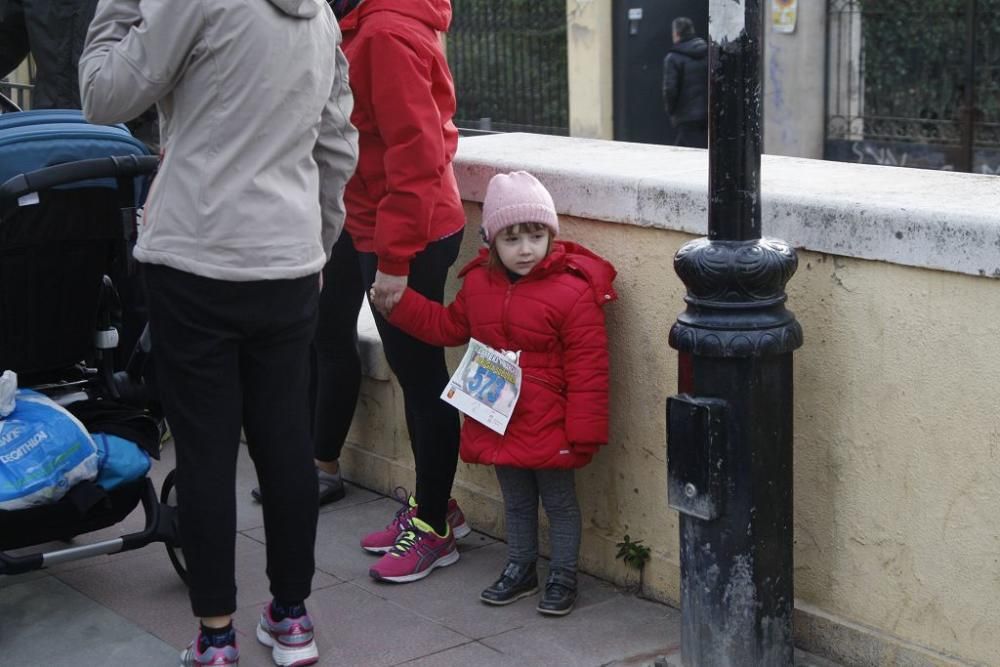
(386, 292)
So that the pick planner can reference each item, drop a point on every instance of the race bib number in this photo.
(486, 386)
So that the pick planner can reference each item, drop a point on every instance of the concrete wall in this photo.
(897, 444)
(794, 80)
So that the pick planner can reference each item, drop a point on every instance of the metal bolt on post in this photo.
(730, 425)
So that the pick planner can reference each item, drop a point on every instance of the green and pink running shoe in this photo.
(381, 541)
(291, 640)
(417, 552)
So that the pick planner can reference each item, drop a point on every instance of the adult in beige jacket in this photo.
(254, 105)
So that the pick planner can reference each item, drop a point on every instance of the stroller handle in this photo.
(81, 170)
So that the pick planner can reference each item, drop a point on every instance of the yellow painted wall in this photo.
(897, 444)
(897, 450)
(588, 34)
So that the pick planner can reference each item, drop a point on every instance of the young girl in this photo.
(541, 298)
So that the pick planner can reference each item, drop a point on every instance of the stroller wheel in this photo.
(168, 496)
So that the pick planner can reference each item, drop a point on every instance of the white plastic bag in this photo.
(8, 388)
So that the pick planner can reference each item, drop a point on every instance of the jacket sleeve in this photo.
(671, 83)
(430, 321)
(13, 36)
(336, 153)
(134, 55)
(585, 359)
(415, 162)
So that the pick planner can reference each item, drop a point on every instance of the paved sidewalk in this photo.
(131, 609)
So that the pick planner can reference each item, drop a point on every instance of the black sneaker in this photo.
(519, 580)
(560, 594)
(331, 488)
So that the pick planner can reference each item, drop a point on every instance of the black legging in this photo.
(420, 368)
(336, 381)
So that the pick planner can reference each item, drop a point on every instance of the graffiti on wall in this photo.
(919, 156)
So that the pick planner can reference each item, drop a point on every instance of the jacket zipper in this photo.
(551, 385)
(506, 333)
(506, 303)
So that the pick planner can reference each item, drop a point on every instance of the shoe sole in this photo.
(555, 612)
(461, 530)
(519, 596)
(444, 561)
(185, 661)
(377, 550)
(288, 657)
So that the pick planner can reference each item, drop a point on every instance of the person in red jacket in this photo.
(404, 222)
(541, 300)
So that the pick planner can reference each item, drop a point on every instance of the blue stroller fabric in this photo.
(53, 137)
(44, 116)
(44, 450)
(56, 245)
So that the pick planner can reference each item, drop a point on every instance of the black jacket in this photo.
(54, 32)
(685, 81)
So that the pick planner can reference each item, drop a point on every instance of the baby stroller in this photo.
(69, 193)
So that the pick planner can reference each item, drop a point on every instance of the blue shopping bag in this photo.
(121, 461)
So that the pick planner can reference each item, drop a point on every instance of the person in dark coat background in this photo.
(53, 32)
(685, 85)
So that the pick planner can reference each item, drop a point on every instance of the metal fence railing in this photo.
(18, 93)
(509, 63)
(914, 83)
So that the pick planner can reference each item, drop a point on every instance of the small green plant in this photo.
(635, 555)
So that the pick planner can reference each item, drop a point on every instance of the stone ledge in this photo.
(929, 219)
(373, 363)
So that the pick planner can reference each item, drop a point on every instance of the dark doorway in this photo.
(641, 41)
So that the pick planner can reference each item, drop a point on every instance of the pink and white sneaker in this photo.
(291, 639)
(381, 541)
(200, 654)
(416, 553)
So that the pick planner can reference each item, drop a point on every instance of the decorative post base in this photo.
(730, 452)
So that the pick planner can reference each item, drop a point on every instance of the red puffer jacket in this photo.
(553, 316)
(403, 194)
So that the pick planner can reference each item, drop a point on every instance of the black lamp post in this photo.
(730, 426)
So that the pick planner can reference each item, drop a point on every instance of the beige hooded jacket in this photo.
(254, 109)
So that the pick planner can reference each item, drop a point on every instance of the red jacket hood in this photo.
(435, 13)
(567, 256)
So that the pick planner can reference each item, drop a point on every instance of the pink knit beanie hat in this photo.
(515, 198)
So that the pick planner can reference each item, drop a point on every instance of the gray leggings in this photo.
(521, 489)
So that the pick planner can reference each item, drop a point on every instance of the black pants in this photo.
(226, 354)
(420, 368)
(692, 135)
(336, 378)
